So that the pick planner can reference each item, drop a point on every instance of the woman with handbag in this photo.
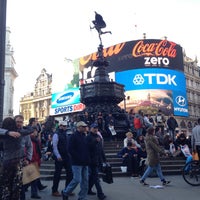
(36, 159)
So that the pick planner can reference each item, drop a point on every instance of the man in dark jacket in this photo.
(78, 149)
(172, 125)
(62, 158)
(97, 157)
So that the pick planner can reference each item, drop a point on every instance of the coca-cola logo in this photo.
(163, 48)
(154, 53)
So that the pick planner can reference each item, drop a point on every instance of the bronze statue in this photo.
(99, 23)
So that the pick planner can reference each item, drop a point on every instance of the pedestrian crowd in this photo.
(78, 147)
(81, 154)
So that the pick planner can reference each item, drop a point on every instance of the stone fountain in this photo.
(103, 95)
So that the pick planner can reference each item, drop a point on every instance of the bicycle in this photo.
(191, 173)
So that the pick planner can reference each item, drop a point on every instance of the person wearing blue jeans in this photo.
(149, 171)
(79, 152)
(80, 175)
(153, 150)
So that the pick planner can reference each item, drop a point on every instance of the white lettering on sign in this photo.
(161, 79)
(156, 61)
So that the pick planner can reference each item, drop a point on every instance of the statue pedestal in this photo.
(103, 95)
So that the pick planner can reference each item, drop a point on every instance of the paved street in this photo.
(130, 189)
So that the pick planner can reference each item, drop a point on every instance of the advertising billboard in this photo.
(151, 68)
(66, 102)
(138, 54)
(159, 89)
(65, 98)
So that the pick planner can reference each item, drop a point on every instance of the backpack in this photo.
(137, 123)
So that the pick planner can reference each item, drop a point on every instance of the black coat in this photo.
(172, 123)
(96, 152)
(78, 149)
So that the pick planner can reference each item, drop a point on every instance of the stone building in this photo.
(192, 73)
(37, 103)
(9, 77)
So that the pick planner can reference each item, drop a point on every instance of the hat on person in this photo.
(81, 123)
(94, 125)
(63, 123)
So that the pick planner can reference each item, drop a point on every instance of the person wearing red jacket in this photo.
(36, 158)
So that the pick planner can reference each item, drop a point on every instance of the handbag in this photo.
(195, 156)
(107, 176)
(30, 173)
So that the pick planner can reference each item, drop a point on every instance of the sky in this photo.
(45, 32)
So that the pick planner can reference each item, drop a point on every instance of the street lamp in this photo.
(3, 4)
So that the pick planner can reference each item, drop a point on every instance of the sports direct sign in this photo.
(151, 70)
(65, 102)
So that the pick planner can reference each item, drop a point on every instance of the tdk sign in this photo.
(65, 97)
(152, 78)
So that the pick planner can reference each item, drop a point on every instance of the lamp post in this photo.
(3, 4)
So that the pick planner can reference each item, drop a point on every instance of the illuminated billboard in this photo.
(161, 89)
(65, 98)
(65, 102)
(138, 54)
(151, 68)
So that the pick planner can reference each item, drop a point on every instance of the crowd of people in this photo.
(78, 147)
(20, 146)
(151, 138)
(81, 154)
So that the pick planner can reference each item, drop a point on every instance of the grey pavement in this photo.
(126, 188)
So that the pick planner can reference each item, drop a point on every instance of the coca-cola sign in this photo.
(162, 48)
(139, 54)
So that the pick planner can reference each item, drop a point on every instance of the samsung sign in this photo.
(65, 102)
(68, 97)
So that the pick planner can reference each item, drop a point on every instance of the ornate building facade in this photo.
(38, 103)
(192, 73)
(9, 77)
